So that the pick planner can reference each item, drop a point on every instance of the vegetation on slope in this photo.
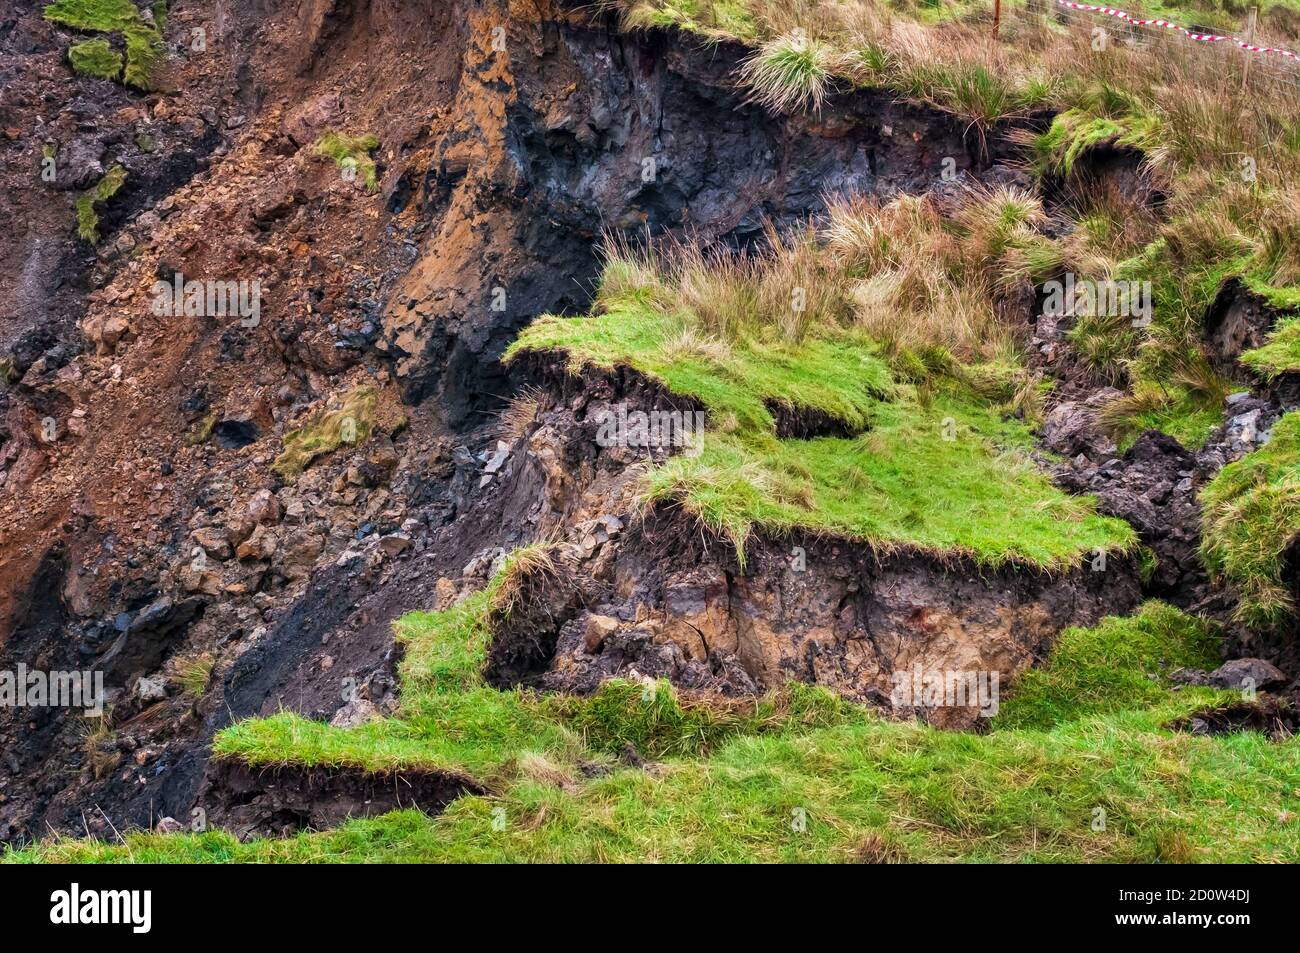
(87, 204)
(95, 58)
(864, 328)
(351, 154)
(350, 422)
(1226, 157)
(1078, 767)
(141, 36)
(1252, 515)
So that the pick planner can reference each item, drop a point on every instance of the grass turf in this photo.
(1251, 516)
(351, 154)
(143, 39)
(944, 473)
(1078, 767)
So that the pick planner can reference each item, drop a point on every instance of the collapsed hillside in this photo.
(234, 510)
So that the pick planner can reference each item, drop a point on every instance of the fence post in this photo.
(997, 15)
(1250, 38)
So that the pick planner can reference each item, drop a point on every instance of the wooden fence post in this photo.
(1250, 38)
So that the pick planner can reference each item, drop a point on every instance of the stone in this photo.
(354, 714)
(150, 690)
(394, 543)
(261, 545)
(498, 459)
(444, 594)
(596, 630)
(1247, 673)
(214, 542)
(264, 508)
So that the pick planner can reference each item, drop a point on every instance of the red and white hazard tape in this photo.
(1201, 37)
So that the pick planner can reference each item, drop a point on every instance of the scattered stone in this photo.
(596, 630)
(264, 508)
(394, 543)
(150, 690)
(354, 714)
(1246, 673)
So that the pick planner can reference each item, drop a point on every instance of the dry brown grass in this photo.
(520, 414)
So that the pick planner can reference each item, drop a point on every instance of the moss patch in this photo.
(143, 39)
(88, 202)
(95, 58)
(101, 16)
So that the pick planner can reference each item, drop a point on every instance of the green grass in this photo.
(88, 202)
(1251, 515)
(95, 58)
(325, 431)
(100, 16)
(806, 778)
(1118, 665)
(1280, 354)
(352, 154)
(943, 473)
(143, 51)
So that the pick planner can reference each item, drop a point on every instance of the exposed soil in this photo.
(1276, 717)
(277, 802)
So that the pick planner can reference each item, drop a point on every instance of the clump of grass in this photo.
(1119, 664)
(1280, 353)
(350, 423)
(100, 16)
(143, 51)
(1251, 516)
(520, 414)
(95, 58)
(201, 431)
(100, 744)
(351, 154)
(652, 719)
(143, 38)
(88, 202)
(789, 73)
(192, 673)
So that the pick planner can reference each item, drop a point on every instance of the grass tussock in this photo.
(87, 204)
(352, 155)
(348, 423)
(192, 673)
(1251, 518)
